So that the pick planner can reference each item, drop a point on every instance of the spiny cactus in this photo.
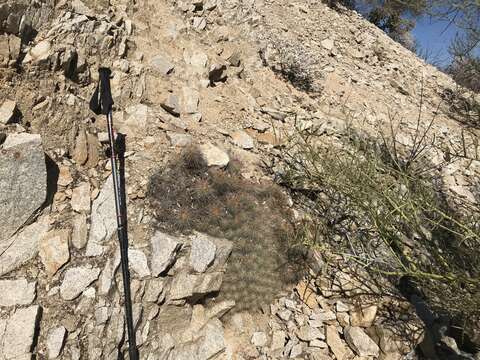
(186, 195)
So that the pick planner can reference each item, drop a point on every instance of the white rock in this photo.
(327, 44)
(138, 262)
(19, 333)
(79, 231)
(17, 292)
(179, 139)
(214, 156)
(164, 252)
(39, 53)
(22, 247)
(108, 273)
(259, 339)
(103, 221)
(7, 110)
(55, 342)
(363, 316)
(76, 280)
(242, 139)
(199, 23)
(81, 198)
(309, 333)
(337, 346)
(360, 342)
(190, 100)
(54, 251)
(341, 307)
(162, 65)
(153, 290)
(202, 253)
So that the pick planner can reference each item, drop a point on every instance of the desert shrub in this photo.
(379, 204)
(186, 195)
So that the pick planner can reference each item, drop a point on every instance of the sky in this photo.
(435, 36)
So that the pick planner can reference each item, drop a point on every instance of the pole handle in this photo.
(102, 101)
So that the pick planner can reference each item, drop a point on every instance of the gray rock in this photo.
(278, 341)
(56, 341)
(202, 253)
(153, 291)
(199, 23)
(259, 339)
(164, 252)
(219, 309)
(54, 251)
(212, 342)
(7, 111)
(22, 167)
(79, 231)
(179, 139)
(318, 344)
(341, 307)
(17, 292)
(39, 54)
(80, 8)
(81, 198)
(138, 262)
(309, 333)
(190, 100)
(162, 65)
(207, 283)
(106, 278)
(336, 345)
(242, 139)
(214, 156)
(171, 104)
(327, 44)
(360, 342)
(182, 286)
(296, 351)
(76, 280)
(22, 247)
(19, 333)
(103, 221)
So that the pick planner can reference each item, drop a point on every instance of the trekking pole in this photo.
(101, 103)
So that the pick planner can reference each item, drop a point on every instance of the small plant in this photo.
(186, 195)
(379, 204)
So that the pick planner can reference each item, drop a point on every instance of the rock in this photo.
(363, 317)
(79, 231)
(242, 139)
(153, 290)
(162, 65)
(285, 314)
(17, 292)
(19, 333)
(341, 307)
(55, 342)
(138, 262)
(318, 343)
(179, 139)
(214, 156)
(7, 111)
(308, 333)
(360, 342)
(306, 294)
(103, 220)
(327, 44)
(39, 54)
(324, 316)
(64, 176)
(22, 167)
(219, 309)
(278, 341)
(171, 104)
(76, 280)
(212, 342)
(80, 8)
(80, 152)
(202, 253)
(259, 339)
(164, 252)
(81, 198)
(335, 343)
(93, 150)
(199, 23)
(108, 273)
(54, 251)
(296, 351)
(186, 285)
(190, 100)
(22, 247)
(207, 283)
(137, 120)
(210, 5)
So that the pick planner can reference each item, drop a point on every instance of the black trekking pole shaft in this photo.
(123, 240)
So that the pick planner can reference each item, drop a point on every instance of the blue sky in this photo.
(435, 36)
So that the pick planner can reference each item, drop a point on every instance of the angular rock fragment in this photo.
(335, 343)
(7, 111)
(54, 251)
(19, 333)
(360, 342)
(22, 166)
(179, 139)
(214, 156)
(76, 280)
(55, 342)
(138, 262)
(259, 339)
(103, 221)
(81, 198)
(79, 231)
(190, 100)
(21, 247)
(17, 292)
(162, 65)
(164, 252)
(242, 139)
(172, 105)
(202, 253)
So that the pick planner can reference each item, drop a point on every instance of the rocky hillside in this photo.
(236, 78)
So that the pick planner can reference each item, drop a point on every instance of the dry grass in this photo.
(186, 195)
